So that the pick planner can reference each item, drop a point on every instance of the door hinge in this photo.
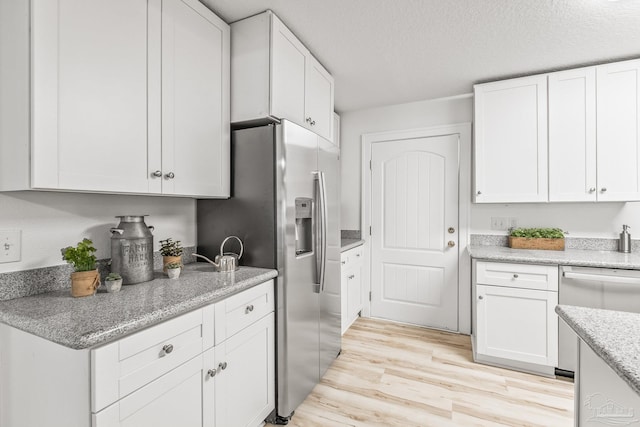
(370, 166)
(369, 295)
(369, 230)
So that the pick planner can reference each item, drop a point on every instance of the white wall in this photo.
(395, 117)
(50, 221)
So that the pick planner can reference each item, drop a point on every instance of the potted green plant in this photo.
(113, 282)
(171, 252)
(537, 238)
(86, 279)
(173, 269)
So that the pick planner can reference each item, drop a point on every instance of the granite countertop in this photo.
(577, 257)
(81, 323)
(612, 335)
(350, 244)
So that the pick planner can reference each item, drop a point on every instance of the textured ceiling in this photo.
(385, 52)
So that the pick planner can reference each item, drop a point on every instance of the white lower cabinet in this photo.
(516, 326)
(212, 367)
(351, 264)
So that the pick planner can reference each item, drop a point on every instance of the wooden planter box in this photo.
(536, 243)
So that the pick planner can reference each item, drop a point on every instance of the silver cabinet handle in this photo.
(222, 366)
(603, 189)
(451, 243)
(515, 276)
(592, 190)
(212, 373)
(169, 175)
(248, 309)
(480, 297)
(167, 348)
(157, 174)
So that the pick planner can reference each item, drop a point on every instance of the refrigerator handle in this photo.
(317, 232)
(323, 228)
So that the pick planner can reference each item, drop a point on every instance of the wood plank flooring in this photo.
(391, 374)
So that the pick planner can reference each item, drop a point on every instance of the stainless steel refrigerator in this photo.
(285, 206)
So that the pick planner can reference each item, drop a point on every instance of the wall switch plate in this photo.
(500, 223)
(10, 245)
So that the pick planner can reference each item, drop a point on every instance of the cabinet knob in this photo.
(351, 277)
(592, 190)
(223, 366)
(480, 297)
(603, 189)
(451, 230)
(170, 175)
(167, 349)
(358, 255)
(248, 309)
(309, 120)
(515, 276)
(479, 192)
(451, 243)
(157, 174)
(212, 373)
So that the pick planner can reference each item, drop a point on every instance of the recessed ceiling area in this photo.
(384, 52)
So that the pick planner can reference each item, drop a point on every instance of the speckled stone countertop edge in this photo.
(347, 244)
(611, 335)
(573, 257)
(115, 329)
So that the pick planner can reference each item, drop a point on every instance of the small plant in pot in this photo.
(173, 269)
(86, 279)
(113, 282)
(171, 252)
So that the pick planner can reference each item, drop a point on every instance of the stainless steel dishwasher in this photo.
(610, 289)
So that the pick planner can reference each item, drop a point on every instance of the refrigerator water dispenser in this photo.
(304, 226)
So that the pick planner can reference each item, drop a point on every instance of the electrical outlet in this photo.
(10, 245)
(499, 223)
(513, 222)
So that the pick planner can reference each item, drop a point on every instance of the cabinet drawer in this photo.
(241, 310)
(352, 256)
(528, 276)
(126, 365)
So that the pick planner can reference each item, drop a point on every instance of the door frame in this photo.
(463, 130)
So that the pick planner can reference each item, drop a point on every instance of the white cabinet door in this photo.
(618, 119)
(89, 95)
(195, 101)
(517, 324)
(511, 140)
(174, 399)
(245, 381)
(354, 291)
(336, 130)
(288, 62)
(318, 99)
(572, 135)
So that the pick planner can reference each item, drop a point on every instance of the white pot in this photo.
(113, 285)
(173, 273)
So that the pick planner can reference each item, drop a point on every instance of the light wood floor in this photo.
(397, 375)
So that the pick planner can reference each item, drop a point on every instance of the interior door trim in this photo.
(463, 130)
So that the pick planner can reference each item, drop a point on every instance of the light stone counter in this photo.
(85, 322)
(347, 244)
(613, 335)
(575, 257)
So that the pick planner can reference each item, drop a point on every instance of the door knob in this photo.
(451, 243)
(451, 230)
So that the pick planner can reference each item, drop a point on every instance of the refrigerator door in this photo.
(298, 298)
(330, 307)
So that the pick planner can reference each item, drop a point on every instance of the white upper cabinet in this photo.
(572, 135)
(127, 96)
(511, 140)
(276, 77)
(618, 124)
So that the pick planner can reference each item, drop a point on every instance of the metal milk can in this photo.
(132, 249)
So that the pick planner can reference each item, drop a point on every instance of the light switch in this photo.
(10, 245)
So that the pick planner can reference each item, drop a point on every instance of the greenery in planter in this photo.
(82, 256)
(170, 248)
(113, 276)
(172, 265)
(538, 233)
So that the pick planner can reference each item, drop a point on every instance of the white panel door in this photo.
(618, 131)
(89, 65)
(318, 99)
(572, 135)
(195, 101)
(414, 201)
(511, 141)
(288, 67)
(517, 324)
